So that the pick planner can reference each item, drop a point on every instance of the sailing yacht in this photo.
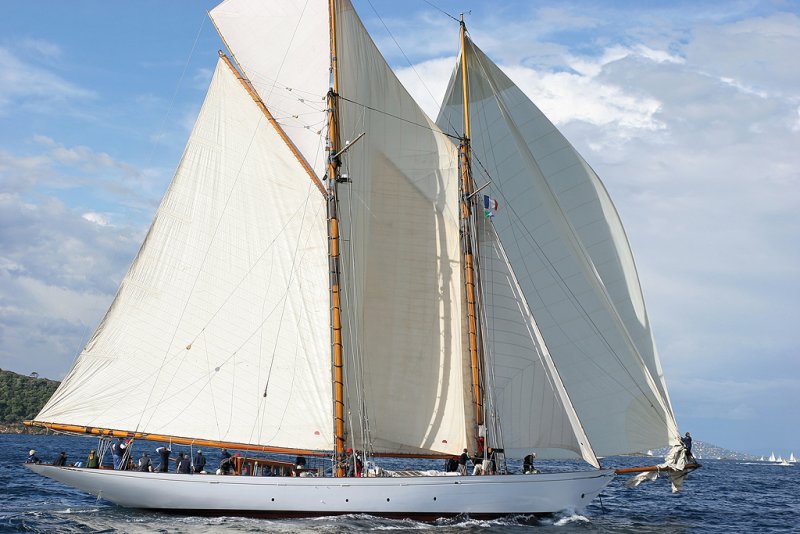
(330, 269)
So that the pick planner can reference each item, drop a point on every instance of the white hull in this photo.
(414, 497)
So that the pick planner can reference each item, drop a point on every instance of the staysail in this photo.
(528, 405)
(219, 329)
(572, 260)
(401, 264)
(399, 227)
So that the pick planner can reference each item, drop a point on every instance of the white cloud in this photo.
(33, 87)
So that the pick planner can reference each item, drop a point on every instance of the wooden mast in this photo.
(467, 187)
(333, 237)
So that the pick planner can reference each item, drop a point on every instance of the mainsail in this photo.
(219, 329)
(570, 255)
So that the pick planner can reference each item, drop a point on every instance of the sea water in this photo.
(722, 497)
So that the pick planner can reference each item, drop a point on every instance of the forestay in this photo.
(401, 265)
(220, 328)
(572, 260)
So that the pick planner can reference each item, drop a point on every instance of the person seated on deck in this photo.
(451, 465)
(92, 461)
(224, 462)
(145, 465)
(163, 453)
(32, 458)
(527, 464)
(300, 462)
(61, 459)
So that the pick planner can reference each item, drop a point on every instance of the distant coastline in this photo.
(19, 428)
(21, 398)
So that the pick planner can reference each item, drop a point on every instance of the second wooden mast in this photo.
(333, 251)
(470, 274)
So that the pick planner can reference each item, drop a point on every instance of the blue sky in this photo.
(690, 112)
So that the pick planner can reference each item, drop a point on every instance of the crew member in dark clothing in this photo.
(145, 464)
(224, 462)
(163, 453)
(117, 451)
(687, 442)
(32, 458)
(462, 462)
(183, 464)
(199, 463)
(61, 460)
(527, 464)
(354, 464)
(451, 466)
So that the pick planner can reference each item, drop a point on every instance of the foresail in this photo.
(401, 261)
(220, 328)
(532, 408)
(283, 49)
(572, 259)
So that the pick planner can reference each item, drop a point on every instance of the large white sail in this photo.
(529, 406)
(220, 329)
(401, 259)
(572, 259)
(283, 49)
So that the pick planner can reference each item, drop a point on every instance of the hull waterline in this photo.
(411, 497)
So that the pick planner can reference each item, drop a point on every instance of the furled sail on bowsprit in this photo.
(569, 253)
(219, 329)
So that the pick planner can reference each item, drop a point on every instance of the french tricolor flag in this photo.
(490, 206)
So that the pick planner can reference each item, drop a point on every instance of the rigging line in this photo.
(286, 52)
(350, 291)
(283, 309)
(426, 126)
(489, 377)
(403, 52)
(573, 298)
(440, 9)
(211, 389)
(166, 116)
(199, 271)
(550, 370)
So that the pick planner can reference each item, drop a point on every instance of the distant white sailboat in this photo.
(761, 459)
(792, 459)
(772, 458)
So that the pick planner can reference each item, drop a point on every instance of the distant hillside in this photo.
(21, 397)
